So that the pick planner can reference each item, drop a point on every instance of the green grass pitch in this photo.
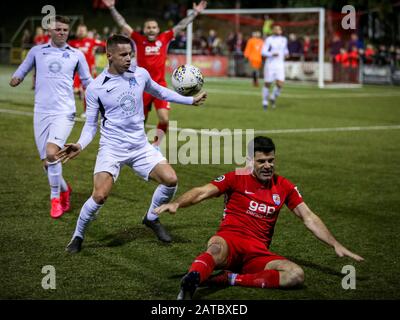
(349, 178)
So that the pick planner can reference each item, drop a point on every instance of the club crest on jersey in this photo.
(158, 43)
(220, 178)
(127, 103)
(132, 82)
(65, 55)
(54, 66)
(276, 198)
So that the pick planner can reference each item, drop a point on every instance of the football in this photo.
(187, 80)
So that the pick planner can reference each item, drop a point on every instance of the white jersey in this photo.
(55, 69)
(275, 49)
(119, 99)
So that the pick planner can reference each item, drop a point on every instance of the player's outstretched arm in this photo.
(189, 198)
(70, 151)
(197, 9)
(118, 18)
(319, 229)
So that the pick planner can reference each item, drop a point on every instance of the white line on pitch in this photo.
(217, 132)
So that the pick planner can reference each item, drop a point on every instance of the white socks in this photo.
(276, 92)
(162, 194)
(88, 213)
(265, 94)
(54, 171)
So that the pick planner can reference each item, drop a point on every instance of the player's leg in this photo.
(278, 272)
(147, 101)
(163, 121)
(276, 92)
(266, 87)
(165, 175)
(102, 185)
(204, 264)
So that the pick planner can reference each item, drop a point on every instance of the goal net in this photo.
(223, 33)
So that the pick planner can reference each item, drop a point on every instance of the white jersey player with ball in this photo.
(54, 112)
(275, 51)
(117, 94)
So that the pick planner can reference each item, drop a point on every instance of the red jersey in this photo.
(252, 208)
(87, 45)
(44, 38)
(152, 55)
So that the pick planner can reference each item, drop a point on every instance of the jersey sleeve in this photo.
(164, 93)
(293, 198)
(83, 70)
(266, 48)
(92, 114)
(26, 65)
(225, 182)
(135, 36)
(167, 36)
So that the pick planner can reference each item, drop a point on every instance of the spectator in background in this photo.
(354, 57)
(40, 36)
(335, 46)
(294, 47)
(199, 43)
(369, 54)
(382, 56)
(252, 52)
(179, 43)
(307, 49)
(214, 43)
(267, 27)
(355, 42)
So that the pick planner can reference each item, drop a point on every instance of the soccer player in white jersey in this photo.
(117, 93)
(275, 51)
(54, 112)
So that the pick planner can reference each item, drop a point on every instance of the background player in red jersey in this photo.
(241, 245)
(87, 46)
(151, 54)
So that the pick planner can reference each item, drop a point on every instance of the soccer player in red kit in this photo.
(151, 54)
(87, 46)
(240, 247)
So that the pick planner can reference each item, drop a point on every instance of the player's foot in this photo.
(56, 210)
(273, 105)
(221, 279)
(189, 284)
(65, 198)
(75, 245)
(265, 107)
(158, 229)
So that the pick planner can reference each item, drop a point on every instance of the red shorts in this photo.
(77, 80)
(246, 255)
(148, 99)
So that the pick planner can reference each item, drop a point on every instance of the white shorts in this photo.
(51, 128)
(273, 73)
(141, 161)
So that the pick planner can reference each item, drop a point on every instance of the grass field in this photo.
(350, 177)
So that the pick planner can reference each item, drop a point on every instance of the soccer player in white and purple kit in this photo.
(117, 93)
(56, 63)
(275, 51)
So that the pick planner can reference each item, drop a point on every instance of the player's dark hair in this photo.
(150, 19)
(118, 39)
(63, 19)
(261, 144)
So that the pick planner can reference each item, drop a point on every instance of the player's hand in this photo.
(343, 252)
(109, 3)
(198, 8)
(70, 151)
(170, 207)
(15, 81)
(199, 98)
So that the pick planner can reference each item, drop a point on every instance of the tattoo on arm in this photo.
(117, 17)
(185, 22)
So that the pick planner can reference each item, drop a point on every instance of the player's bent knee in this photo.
(51, 157)
(99, 197)
(170, 179)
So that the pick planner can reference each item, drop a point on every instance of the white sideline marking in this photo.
(208, 132)
(308, 96)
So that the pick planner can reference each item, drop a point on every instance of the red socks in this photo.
(203, 264)
(263, 279)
